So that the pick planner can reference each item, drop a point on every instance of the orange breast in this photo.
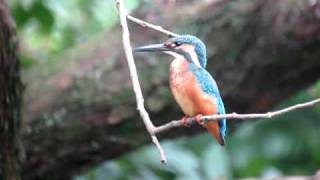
(187, 91)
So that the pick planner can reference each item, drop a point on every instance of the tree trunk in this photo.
(10, 97)
(81, 108)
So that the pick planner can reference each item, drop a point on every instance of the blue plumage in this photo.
(209, 86)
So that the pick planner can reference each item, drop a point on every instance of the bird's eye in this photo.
(172, 44)
(177, 43)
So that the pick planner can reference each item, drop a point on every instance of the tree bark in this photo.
(81, 108)
(10, 97)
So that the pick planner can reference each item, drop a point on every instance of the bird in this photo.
(194, 89)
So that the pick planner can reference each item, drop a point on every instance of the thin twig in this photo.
(134, 77)
(216, 117)
(152, 26)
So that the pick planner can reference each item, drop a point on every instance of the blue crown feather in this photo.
(200, 48)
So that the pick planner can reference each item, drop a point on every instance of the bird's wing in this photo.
(209, 86)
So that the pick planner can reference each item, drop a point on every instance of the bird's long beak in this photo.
(152, 48)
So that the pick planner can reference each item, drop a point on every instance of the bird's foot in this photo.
(199, 120)
(185, 121)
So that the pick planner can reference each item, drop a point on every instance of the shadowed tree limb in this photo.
(10, 97)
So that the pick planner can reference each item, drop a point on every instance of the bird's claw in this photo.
(198, 119)
(185, 121)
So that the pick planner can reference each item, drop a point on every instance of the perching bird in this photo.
(192, 86)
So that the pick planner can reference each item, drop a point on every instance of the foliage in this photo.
(49, 27)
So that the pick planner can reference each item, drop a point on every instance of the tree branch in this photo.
(152, 26)
(216, 117)
(11, 93)
(134, 78)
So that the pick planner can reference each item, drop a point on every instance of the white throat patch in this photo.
(174, 54)
(190, 50)
(194, 58)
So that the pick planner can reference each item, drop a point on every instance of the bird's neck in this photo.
(179, 65)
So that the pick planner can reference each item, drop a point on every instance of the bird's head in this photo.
(187, 46)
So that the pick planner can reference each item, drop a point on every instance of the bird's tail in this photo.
(214, 129)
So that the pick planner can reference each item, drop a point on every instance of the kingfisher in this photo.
(192, 86)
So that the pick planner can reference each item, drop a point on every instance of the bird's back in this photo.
(209, 86)
(197, 93)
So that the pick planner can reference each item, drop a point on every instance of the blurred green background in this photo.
(286, 145)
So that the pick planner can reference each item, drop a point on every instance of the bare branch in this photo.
(216, 117)
(152, 26)
(134, 77)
